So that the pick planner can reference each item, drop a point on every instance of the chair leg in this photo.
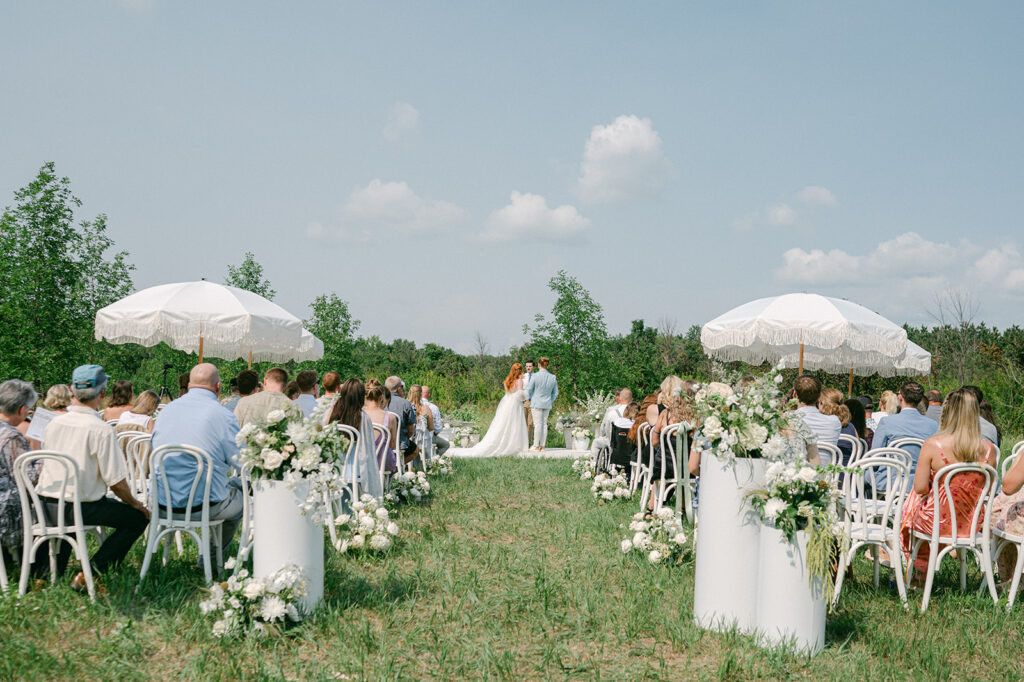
(3, 575)
(986, 560)
(26, 561)
(896, 559)
(1016, 578)
(874, 557)
(179, 543)
(219, 531)
(930, 577)
(52, 547)
(963, 570)
(204, 553)
(151, 549)
(840, 575)
(82, 550)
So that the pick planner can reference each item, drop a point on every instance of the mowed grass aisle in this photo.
(513, 571)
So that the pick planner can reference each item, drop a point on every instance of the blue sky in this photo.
(436, 163)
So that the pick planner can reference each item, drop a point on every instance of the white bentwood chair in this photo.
(382, 454)
(168, 520)
(667, 484)
(639, 473)
(36, 527)
(351, 474)
(1001, 539)
(872, 517)
(978, 537)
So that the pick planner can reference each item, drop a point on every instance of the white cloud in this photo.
(1014, 282)
(529, 217)
(622, 160)
(781, 214)
(908, 255)
(817, 196)
(403, 118)
(394, 206)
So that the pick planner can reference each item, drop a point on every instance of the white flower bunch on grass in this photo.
(411, 486)
(583, 466)
(244, 605)
(368, 528)
(462, 434)
(440, 465)
(659, 535)
(294, 451)
(610, 486)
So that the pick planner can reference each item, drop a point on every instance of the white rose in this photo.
(357, 541)
(807, 475)
(773, 507)
(640, 540)
(380, 542)
(254, 589)
(381, 513)
(275, 416)
(712, 427)
(679, 539)
(393, 528)
(626, 546)
(654, 557)
(272, 459)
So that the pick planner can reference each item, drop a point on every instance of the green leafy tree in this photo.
(249, 276)
(54, 276)
(575, 338)
(332, 323)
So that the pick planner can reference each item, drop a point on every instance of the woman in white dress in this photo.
(507, 433)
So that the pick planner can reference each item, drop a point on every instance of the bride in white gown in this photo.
(507, 433)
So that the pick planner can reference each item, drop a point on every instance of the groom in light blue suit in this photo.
(542, 394)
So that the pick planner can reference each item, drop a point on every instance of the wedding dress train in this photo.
(507, 433)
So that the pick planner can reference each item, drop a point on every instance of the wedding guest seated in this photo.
(331, 383)
(348, 410)
(292, 390)
(375, 405)
(306, 380)
(888, 404)
(82, 435)
(257, 406)
(1008, 517)
(868, 405)
(16, 399)
(233, 396)
(908, 423)
(424, 417)
(441, 445)
(622, 450)
(831, 403)
(140, 417)
(248, 383)
(826, 427)
(182, 384)
(934, 411)
(859, 420)
(644, 416)
(406, 417)
(985, 408)
(675, 405)
(988, 429)
(121, 397)
(959, 440)
(198, 419)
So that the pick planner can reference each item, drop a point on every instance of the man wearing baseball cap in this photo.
(83, 435)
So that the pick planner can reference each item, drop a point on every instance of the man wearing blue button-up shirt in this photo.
(907, 423)
(199, 420)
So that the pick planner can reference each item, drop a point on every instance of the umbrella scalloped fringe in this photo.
(185, 336)
(734, 344)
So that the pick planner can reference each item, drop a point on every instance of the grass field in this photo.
(512, 572)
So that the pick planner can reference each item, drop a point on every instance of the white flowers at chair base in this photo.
(258, 606)
(610, 486)
(410, 486)
(368, 528)
(583, 466)
(659, 535)
(285, 536)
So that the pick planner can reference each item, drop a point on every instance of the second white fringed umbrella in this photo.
(829, 334)
(208, 319)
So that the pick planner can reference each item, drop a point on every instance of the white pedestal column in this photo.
(728, 530)
(789, 609)
(283, 535)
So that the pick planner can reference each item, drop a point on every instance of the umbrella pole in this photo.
(250, 357)
(849, 394)
(200, 348)
(801, 358)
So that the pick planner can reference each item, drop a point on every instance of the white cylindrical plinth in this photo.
(284, 535)
(581, 444)
(567, 434)
(789, 609)
(728, 528)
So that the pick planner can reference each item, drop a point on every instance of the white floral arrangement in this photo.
(580, 433)
(610, 486)
(564, 422)
(752, 423)
(659, 535)
(368, 528)
(583, 466)
(292, 450)
(410, 486)
(442, 465)
(593, 405)
(461, 435)
(245, 605)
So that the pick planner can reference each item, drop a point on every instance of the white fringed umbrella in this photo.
(916, 361)
(208, 319)
(809, 331)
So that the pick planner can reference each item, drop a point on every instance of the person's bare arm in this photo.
(813, 458)
(122, 490)
(922, 477)
(652, 414)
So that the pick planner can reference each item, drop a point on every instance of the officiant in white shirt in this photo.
(527, 378)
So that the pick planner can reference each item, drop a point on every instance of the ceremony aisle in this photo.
(511, 571)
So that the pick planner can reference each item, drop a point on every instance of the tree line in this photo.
(55, 273)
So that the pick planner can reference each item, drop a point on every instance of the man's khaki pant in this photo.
(529, 416)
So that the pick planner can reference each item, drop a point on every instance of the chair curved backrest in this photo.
(855, 447)
(835, 455)
(898, 454)
(198, 491)
(350, 467)
(865, 504)
(903, 442)
(138, 450)
(979, 515)
(1017, 447)
(382, 448)
(33, 512)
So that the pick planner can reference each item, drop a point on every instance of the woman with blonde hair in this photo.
(831, 402)
(958, 440)
(888, 404)
(140, 417)
(507, 433)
